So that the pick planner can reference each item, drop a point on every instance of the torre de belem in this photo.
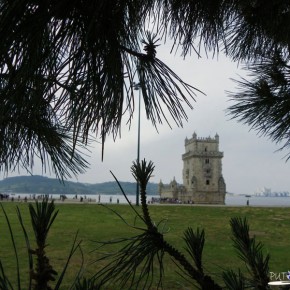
(203, 182)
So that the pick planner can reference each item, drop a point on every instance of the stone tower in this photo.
(202, 171)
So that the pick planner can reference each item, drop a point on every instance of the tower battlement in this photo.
(194, 138)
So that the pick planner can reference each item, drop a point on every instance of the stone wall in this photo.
(202, 173)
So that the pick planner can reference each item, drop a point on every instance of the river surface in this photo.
(231, 200)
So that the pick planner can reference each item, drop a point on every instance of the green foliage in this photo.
(68, 68)
(234, 281)
(251, 253)
(40, 276)
(139, 261)
(133, 264)
(263, 101)
(271, 225)
(86, 284)
(194, 246)
(41, 219)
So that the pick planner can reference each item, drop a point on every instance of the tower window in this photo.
(207, 182)
(206, 161)
(205, 149)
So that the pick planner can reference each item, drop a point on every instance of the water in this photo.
(235, 200)
(258, 201)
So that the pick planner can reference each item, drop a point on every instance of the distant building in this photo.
(203, 181)
(171, 192)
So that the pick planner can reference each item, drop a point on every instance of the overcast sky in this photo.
(250, 162)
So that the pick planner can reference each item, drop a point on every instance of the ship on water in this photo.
(268, 192)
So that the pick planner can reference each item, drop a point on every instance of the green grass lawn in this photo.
(96, 223)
